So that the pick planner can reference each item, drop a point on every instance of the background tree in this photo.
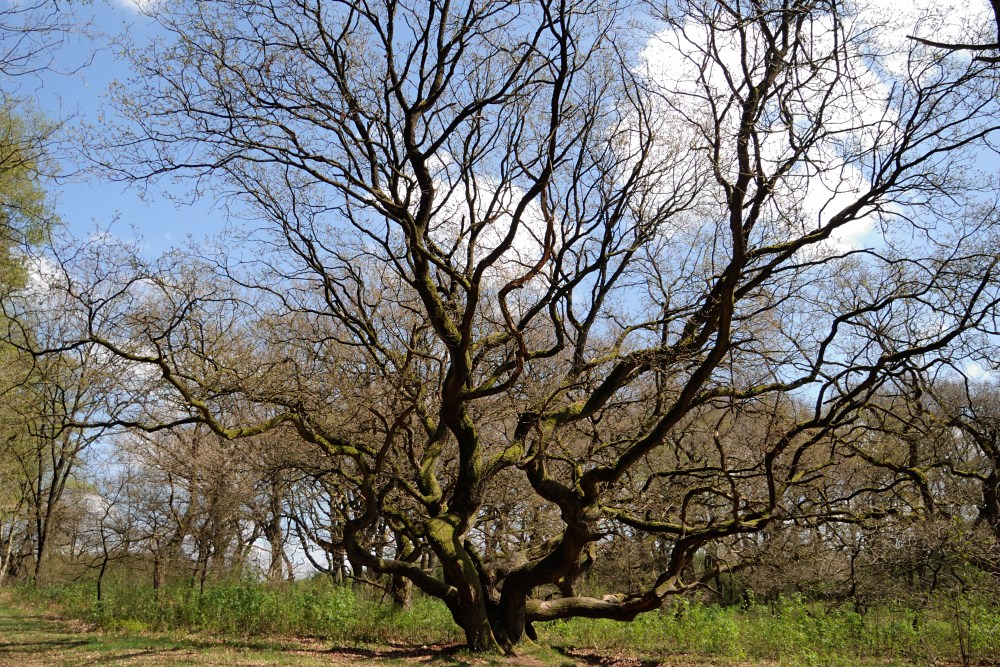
(25, 218)
(199, 501)
(30, 34)
(63, 395)
(973, 410)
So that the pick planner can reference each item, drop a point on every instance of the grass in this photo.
(315, 608)
(250, 616)
(794, 632)
(29, 638)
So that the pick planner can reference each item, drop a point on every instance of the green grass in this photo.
(29, 638)
(314, 608)
(793, 632)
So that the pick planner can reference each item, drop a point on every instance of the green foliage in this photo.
(315, 608)
(29, 638)
(789, 631)
(25, 218)
(793, 631)
(25, 210)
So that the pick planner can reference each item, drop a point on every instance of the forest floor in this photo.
(31, 637)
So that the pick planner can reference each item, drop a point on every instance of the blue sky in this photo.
(81, 97)
(86, 203)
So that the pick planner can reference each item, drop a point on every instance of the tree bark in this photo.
(400, 589)
(470, 608)
(157, 576)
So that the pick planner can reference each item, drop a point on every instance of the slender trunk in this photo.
(8, 547)
(7, 559)
(400, 589)
(197, 569)
(100, 580)
(275, 534)
(40, 553)
(204, 576)
(338, 567)
(990, 511)
(275, 537)
(157, 575)
(62, 466)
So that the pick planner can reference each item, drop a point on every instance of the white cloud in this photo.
(480, 210)
(44, 276)
(828, 194)
(853, 101)
(138, 6)
(974, 371)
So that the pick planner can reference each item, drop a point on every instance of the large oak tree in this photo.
(527, 276)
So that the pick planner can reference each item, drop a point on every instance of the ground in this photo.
(30, 638)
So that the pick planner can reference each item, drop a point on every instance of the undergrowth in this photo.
(957, 630)
(314, 608)
(796, 632)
